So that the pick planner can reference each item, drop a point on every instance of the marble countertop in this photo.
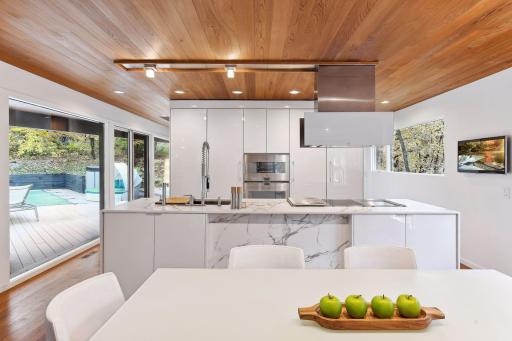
(277, 206)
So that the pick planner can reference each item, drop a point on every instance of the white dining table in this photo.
(204, 304)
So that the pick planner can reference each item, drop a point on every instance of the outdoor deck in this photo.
(60, 229)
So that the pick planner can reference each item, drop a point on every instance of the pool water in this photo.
(40, 197)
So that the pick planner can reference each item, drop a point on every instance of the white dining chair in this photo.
(379, 257)
(266, 257)
(78, 312)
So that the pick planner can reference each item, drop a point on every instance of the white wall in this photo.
(479, 109)
(22, 85)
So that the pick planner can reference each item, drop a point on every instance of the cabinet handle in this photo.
(293, 172)
(330, 171)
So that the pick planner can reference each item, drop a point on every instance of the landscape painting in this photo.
(483, 156)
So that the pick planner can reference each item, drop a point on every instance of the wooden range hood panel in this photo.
(346, 88)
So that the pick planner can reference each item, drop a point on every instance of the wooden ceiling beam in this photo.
(246, 61)
(238, 70)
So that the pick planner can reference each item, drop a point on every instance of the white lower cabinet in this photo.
(434, 240)
(378, 230)
(432, 237)
(127, 247)
(180, 240)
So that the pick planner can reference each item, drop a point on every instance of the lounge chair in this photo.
(17, 197)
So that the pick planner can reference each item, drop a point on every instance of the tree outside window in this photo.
(415, 149)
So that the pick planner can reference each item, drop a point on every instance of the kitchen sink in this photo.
(197, 202)
(380, 203)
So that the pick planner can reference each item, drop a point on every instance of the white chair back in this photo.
(18, 194)
(379, 257)
(266, 257)
(79, 311)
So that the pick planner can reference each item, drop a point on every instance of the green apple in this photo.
(408, 306)
(383, 307)
(356, 306)
(330, 306)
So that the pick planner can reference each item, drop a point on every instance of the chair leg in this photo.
(37, 213)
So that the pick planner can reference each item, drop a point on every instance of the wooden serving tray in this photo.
(370, 322)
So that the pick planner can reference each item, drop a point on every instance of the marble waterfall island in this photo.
(140, 236)
(322, 236)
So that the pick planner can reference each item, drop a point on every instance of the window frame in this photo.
(389, 165)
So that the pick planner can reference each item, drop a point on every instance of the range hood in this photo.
(345, 115)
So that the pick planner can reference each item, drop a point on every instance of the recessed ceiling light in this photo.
(179, 92)
(119, 92)
(294, 92)
(286, 106)
(237, 92)
(384, 102)
(230, 71)
(150, 70)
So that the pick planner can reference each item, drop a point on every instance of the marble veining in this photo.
(322, 237)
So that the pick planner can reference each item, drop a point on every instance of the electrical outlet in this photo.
(506, 193)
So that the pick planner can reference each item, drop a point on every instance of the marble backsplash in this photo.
(322, 237)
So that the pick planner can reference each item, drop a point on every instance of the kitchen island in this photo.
(141, 236)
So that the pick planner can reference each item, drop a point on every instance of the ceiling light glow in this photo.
(230, 71)
(237, 92)
(294, 92)
(119, 92)
(150, 71)
(179, 92)
(384, 102)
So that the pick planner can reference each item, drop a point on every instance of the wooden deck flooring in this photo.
(60, 229)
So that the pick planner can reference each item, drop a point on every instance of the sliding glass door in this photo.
(121, 166)
(161, 165)
(140, 184)
(55, 184)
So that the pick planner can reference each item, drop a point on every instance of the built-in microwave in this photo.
(266, 167)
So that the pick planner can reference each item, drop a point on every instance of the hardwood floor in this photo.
(22, 309)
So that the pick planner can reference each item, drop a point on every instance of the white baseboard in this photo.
(471, 264)
(50, 264)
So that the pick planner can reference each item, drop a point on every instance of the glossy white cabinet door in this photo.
(278, 131)
(180, 241)
(345, 173)
(255, 130)
(434, 240)
(187, 132)
(225, 136)
(378, 230)
(307, 168)
(127, 246)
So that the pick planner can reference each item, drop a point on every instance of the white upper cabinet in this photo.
(187, 132)
(255, 130)
(345, 173)
(225, 136)
(307, 169)
(278, 131)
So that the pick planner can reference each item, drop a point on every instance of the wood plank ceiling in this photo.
(423, 47)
